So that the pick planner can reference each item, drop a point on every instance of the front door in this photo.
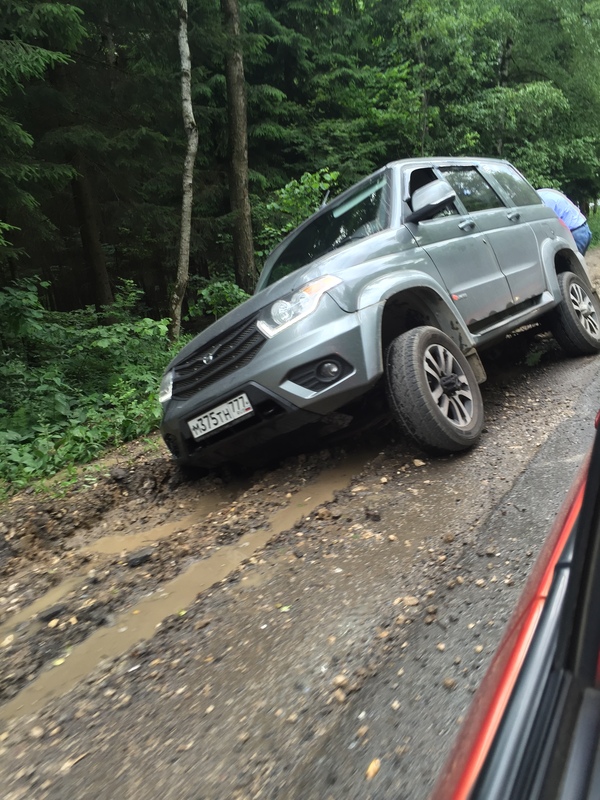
(459, 247)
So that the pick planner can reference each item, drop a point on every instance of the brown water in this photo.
(110, 545)
(124, 543)
(140, 622)
(47, 600)
(118, 543)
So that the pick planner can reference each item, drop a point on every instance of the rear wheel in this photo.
(433, 392)
(575, 323)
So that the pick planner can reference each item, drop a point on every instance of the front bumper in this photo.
(281, 405)
(272, 418)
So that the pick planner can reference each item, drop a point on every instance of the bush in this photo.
(216, 299)
(73, 383)
(289, 207)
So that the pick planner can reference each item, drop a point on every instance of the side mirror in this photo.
(430, 199)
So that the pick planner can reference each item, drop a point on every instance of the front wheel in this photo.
(575, 323)
(433, 392)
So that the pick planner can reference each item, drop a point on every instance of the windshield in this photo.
(362, 213)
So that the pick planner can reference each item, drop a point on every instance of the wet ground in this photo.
(312, 630)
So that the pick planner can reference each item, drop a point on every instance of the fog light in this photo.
(329, 370)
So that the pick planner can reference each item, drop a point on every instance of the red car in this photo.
(533, 730)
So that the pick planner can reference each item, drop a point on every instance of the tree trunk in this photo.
(504, 61)
(503, 70)
(243, 245)
(423, 81)
(87, 214)
(191, 131)
(424, 120)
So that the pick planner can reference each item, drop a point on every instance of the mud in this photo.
(173, 597)
(271, 636)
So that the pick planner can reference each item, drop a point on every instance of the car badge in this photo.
(210, 354)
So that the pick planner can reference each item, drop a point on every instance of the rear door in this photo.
(504, 228)
(513, 239)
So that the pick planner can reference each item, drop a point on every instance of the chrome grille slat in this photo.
(236, 348)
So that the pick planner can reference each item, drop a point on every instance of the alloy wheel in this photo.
(448, 385)
(585, 310)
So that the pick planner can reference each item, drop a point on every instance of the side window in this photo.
(474, 191)
(516, 187)
(421, 177)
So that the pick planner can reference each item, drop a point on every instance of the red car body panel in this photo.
(481, 724)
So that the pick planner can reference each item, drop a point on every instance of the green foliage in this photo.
(5, 228)
(72, 384)
(29, 36)
(289, 207)
(348, 85)
(216, 299)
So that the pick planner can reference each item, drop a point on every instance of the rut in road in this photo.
(140, 621)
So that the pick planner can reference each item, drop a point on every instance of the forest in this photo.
(288, 99)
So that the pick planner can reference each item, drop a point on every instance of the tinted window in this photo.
(519, 191)
(474, 191)
(363, 213)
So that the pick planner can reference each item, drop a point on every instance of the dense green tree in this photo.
(33, 38)
(559, 43)
(92, 144)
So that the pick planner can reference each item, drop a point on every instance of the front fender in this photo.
(428, 293)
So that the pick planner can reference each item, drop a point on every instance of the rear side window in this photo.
(519, 191)
(471, 188)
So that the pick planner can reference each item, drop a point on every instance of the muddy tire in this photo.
(432, 391)
(575, 323)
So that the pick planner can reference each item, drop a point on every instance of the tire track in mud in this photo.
(43, 627)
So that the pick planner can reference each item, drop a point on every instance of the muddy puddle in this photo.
(115, 544)
(47, 600)
(118, 543)
(142, 620)
(414, 520)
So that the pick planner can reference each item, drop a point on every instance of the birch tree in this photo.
(243, 249)
(191, 131)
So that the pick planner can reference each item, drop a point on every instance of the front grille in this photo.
(217, 359)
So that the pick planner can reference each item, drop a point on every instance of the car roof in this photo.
(442, 161)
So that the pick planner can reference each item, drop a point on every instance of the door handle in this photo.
(466, 225)
(514, 216)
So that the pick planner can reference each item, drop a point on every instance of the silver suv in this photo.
(396, 284)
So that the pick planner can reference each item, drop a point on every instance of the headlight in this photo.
(295, 306)
(166, 388)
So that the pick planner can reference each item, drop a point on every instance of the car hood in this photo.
(336, 263)
(246, 310)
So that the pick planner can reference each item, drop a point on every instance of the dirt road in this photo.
(273, 636)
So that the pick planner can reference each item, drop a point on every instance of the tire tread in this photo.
(407, 402)
(564, 324)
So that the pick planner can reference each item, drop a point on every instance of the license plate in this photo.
(220, 415)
